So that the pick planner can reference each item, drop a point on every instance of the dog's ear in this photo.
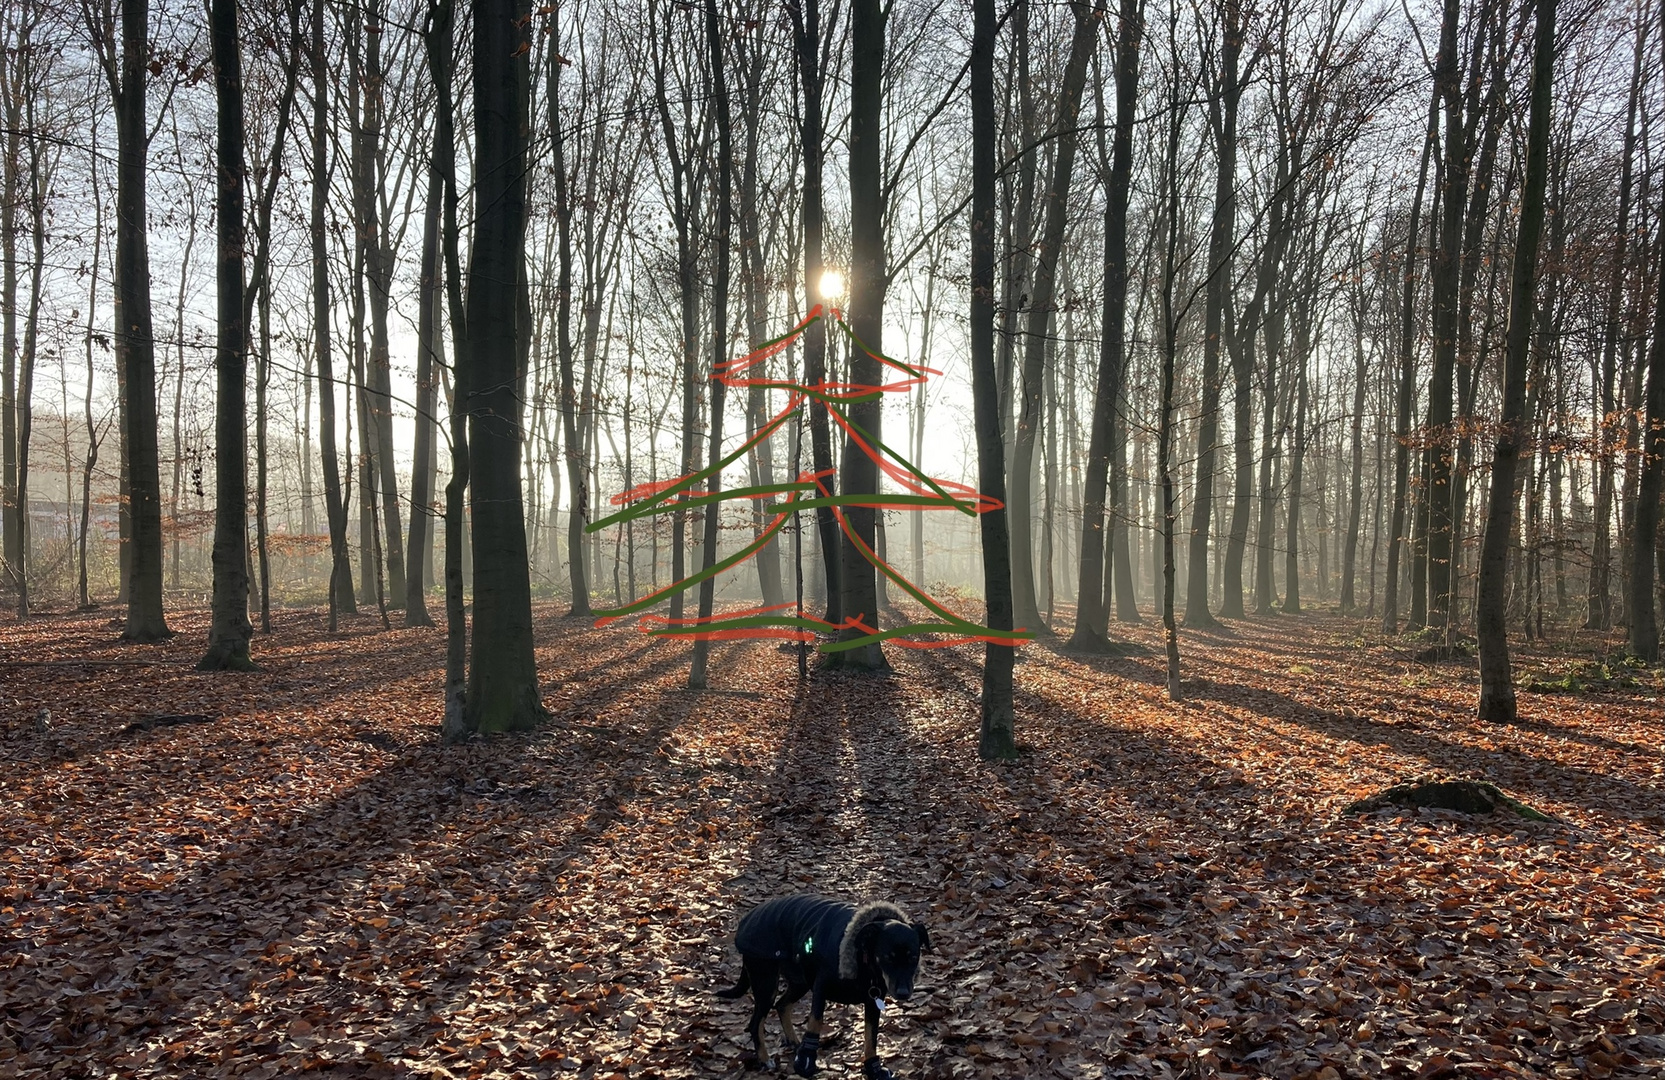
(924, 938)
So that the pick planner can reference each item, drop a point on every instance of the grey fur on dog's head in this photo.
(874, 911)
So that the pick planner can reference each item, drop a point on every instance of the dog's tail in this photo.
(738, 989)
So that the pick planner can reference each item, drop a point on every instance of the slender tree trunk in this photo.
(996, 739)
(229, 630)
(859, 473)
(335, 505)
(1092, 607)
(438, 44)
(757, 287)
(262, 379)
(427, 353)
(1170, 335)
(135, 355)
(13, 69)
(377, 266)
(1041, 313)
(1297, 459)
(1497, 691)
(1454, 179)
(1222, 115)
(577, 484)
(697, 675)
(812, 41)
(1355, 501)
(1600, 615)
(1406, 399)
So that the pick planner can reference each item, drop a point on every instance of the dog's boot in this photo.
(803, 1062)
(872, 1070)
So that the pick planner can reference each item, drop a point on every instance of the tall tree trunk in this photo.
(335, 504)
(135, 347)
(1222, 116)
(1092, 607)
(1355, 501)
(996, 739)
(577, 483)
(1170, 335)
(859, 473)
(697, 677)
(1041, 313)
(685, 195)
(420, 538)
(262, 379)
(229, 630)
(1445, 286)
(1406, 399)
(1297, 457)
(1640, 605)
(13, 68)
(812, 44)
(378, 277)
(438, 42)
(503, 692)
(757, 287)
(1600, 615)
(1497, 691)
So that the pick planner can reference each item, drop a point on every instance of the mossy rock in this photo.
(1435, 793)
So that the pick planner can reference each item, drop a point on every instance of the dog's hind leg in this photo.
(764, 977)
(783, 1009)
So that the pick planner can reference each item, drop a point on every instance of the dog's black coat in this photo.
(833, 951)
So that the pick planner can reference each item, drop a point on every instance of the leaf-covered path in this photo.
(309, 884)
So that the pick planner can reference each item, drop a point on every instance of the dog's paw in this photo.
(803, 1062)
(871, 1069)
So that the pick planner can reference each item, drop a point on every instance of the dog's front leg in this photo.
(803, 1062)
(871, 1069)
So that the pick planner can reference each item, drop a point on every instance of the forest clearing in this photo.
(309, 883)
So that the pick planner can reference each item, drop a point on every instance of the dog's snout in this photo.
(903, 993)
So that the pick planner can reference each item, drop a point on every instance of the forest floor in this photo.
(307, 883)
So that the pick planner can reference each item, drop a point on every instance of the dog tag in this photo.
(879, 1003)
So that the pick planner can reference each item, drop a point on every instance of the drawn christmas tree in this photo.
(808, 491)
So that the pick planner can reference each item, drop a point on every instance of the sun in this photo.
(832, 285)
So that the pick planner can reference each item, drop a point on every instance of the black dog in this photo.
(834, 952)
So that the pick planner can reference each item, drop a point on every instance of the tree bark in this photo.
(1222, 115)
(1640, 605)
(503, 692)
(859, 473)
(812, 44)
(1040, 314)
(577, 482)
(996, 738)
(438, 42)
(1406, 399)
(427, 353)
(229, 630)
(697, 675)
(335, 504)
(1092, 607)
(135, 345)
(1600, 614)
(377, 262)
(1497, 691)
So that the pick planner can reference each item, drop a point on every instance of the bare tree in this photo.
(1497, 691)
